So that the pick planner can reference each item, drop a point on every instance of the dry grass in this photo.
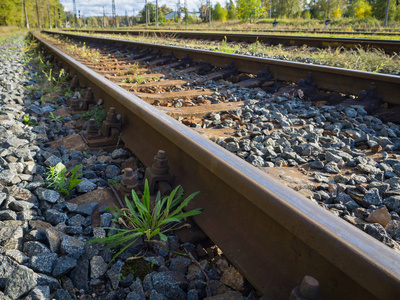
(372, 60)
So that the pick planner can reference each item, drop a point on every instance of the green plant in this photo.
(97, 113)
(27, 121)
(140, 220)
(58, 179)
(55, 118)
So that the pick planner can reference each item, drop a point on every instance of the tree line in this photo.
(46, 13)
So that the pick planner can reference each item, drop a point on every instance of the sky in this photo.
(95, 7)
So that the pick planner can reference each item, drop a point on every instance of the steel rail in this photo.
(389, 46)
(261, 30)
(329, 78)
(273, 235)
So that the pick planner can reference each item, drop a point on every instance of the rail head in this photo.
(312, 232)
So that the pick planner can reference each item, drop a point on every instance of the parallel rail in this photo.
(273, 235)
(329, 78)
(389, 46)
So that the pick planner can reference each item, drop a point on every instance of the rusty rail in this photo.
(389, 46)
(273, 235)
(329, 78)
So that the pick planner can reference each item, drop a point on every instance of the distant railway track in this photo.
(389, 46)
(272, 234)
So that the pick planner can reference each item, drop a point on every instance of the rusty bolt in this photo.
(92, 129)
(308, 290)
(74, 104)
(128, 177)
(160, 164)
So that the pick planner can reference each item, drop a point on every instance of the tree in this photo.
(379, 8)
(249, 10)
(231, 10)
(165, 10)
(219, 13)
(11, 12)
(152, 13)
(359, 9)
(286, 8)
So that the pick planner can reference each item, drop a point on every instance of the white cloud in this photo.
(95, 7)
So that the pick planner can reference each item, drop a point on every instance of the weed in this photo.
(225, 47)
(27, 121)
(134, 79)
(55, 118)
(57, 178)
(97, 113)
(141, 221)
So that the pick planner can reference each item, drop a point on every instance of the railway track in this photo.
(272, 234)
(389, 46)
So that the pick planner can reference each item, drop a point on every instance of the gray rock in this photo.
(87, 208)
(9, 177)
(11, 238)
(53, 238)
(378, 232)
(137, 287)
(61, 294)
(72, 246)
(119, 153)
(43, 263)
(42, 279)
(372, 197)
(55, 217)
(98, 267)
(113, 274)
(52, 161)
(39, 293)
(76, 220)
(332, 167)
(170, 284)
(179, 263)
(17, 255)
(64, 265)
(112, 171)
(393, 203)
(105, 220)
(80, 274)
(85, 186)
(7, 215)
(20, 282)
(34, 248)
(317, 164)
(135, 296)
(7, 267)
(20, 205)
(47, 195)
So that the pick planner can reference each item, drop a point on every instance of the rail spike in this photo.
(157, 175)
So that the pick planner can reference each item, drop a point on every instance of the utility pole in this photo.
(186, 14)
(270, 9)
(48, 11)
(26, 15)
(386, 13)
(157, 13)
(178, 9)
(76, 16)
(209, 13)
(126, 16)
(55, 18)
(37, 13)
(114, 14)
(146, 13)
(104, 18)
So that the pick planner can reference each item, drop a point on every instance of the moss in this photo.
(139, 267)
